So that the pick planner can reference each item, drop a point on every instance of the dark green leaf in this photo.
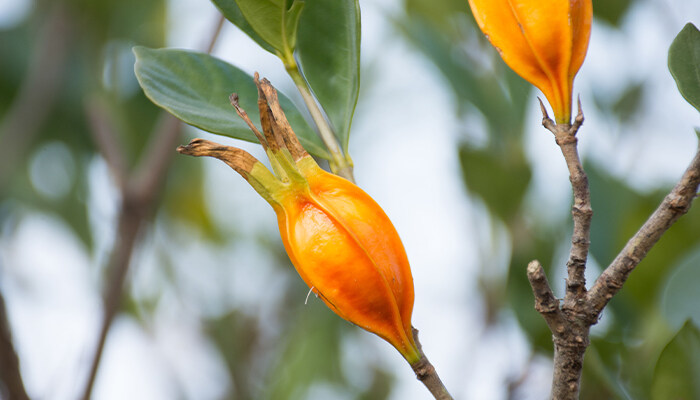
(679, 300)
(611, 10)
(275, 21)
(291, 23)
(329, 51)
(677, 373)
(233, 13)
(684, 63)
(195, 87)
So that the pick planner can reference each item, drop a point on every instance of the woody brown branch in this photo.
(545, 302)
(674, 205)
(570, 322)
(565, 136)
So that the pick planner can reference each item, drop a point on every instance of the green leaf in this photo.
(275, 21)
(329, 52)
(490, 174)
(684, 63)
(195, 87)
(679, 300)
(611, 10)
(630, 102)
(677, 373)
(233, 13)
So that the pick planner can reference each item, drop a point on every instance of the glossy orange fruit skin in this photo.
(544, 41)
(347, 250)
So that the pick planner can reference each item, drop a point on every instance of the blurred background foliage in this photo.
(68, 56)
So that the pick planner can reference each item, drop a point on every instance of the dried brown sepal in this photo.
(233, 98)
(281, 125)
(267, 120)
(240, 160)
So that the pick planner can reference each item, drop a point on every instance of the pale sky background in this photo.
(405, 157)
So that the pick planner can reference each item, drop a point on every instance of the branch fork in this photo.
(570, 319)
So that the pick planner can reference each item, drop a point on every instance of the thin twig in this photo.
(211, 43)
(674, 205)
(130, 220)
(102, 130)
(425, 372)
(11, 384)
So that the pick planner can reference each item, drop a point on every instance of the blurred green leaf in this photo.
(380, 389)
(275, 21)
(630, 102)
(195, 87)
(679, 299)
(438, 12)
(237, 338)
(497, 92)
(185, 198)
(311, 353)
(677, 373)
(490, 175)
(684, 63)
(233, 13)
(611, 200)
(602, 370)
(329, 53)
(611, 11)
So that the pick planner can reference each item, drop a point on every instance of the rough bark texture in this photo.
(571, 320)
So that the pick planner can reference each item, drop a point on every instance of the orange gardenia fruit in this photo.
(340, 241)
(544, 41)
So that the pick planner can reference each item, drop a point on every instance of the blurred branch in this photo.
(140, 191)
(102, 129)
(211, 41)
(11, 385)
(138, 201)
(425, 372)
(37, 93)
(674, 205)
